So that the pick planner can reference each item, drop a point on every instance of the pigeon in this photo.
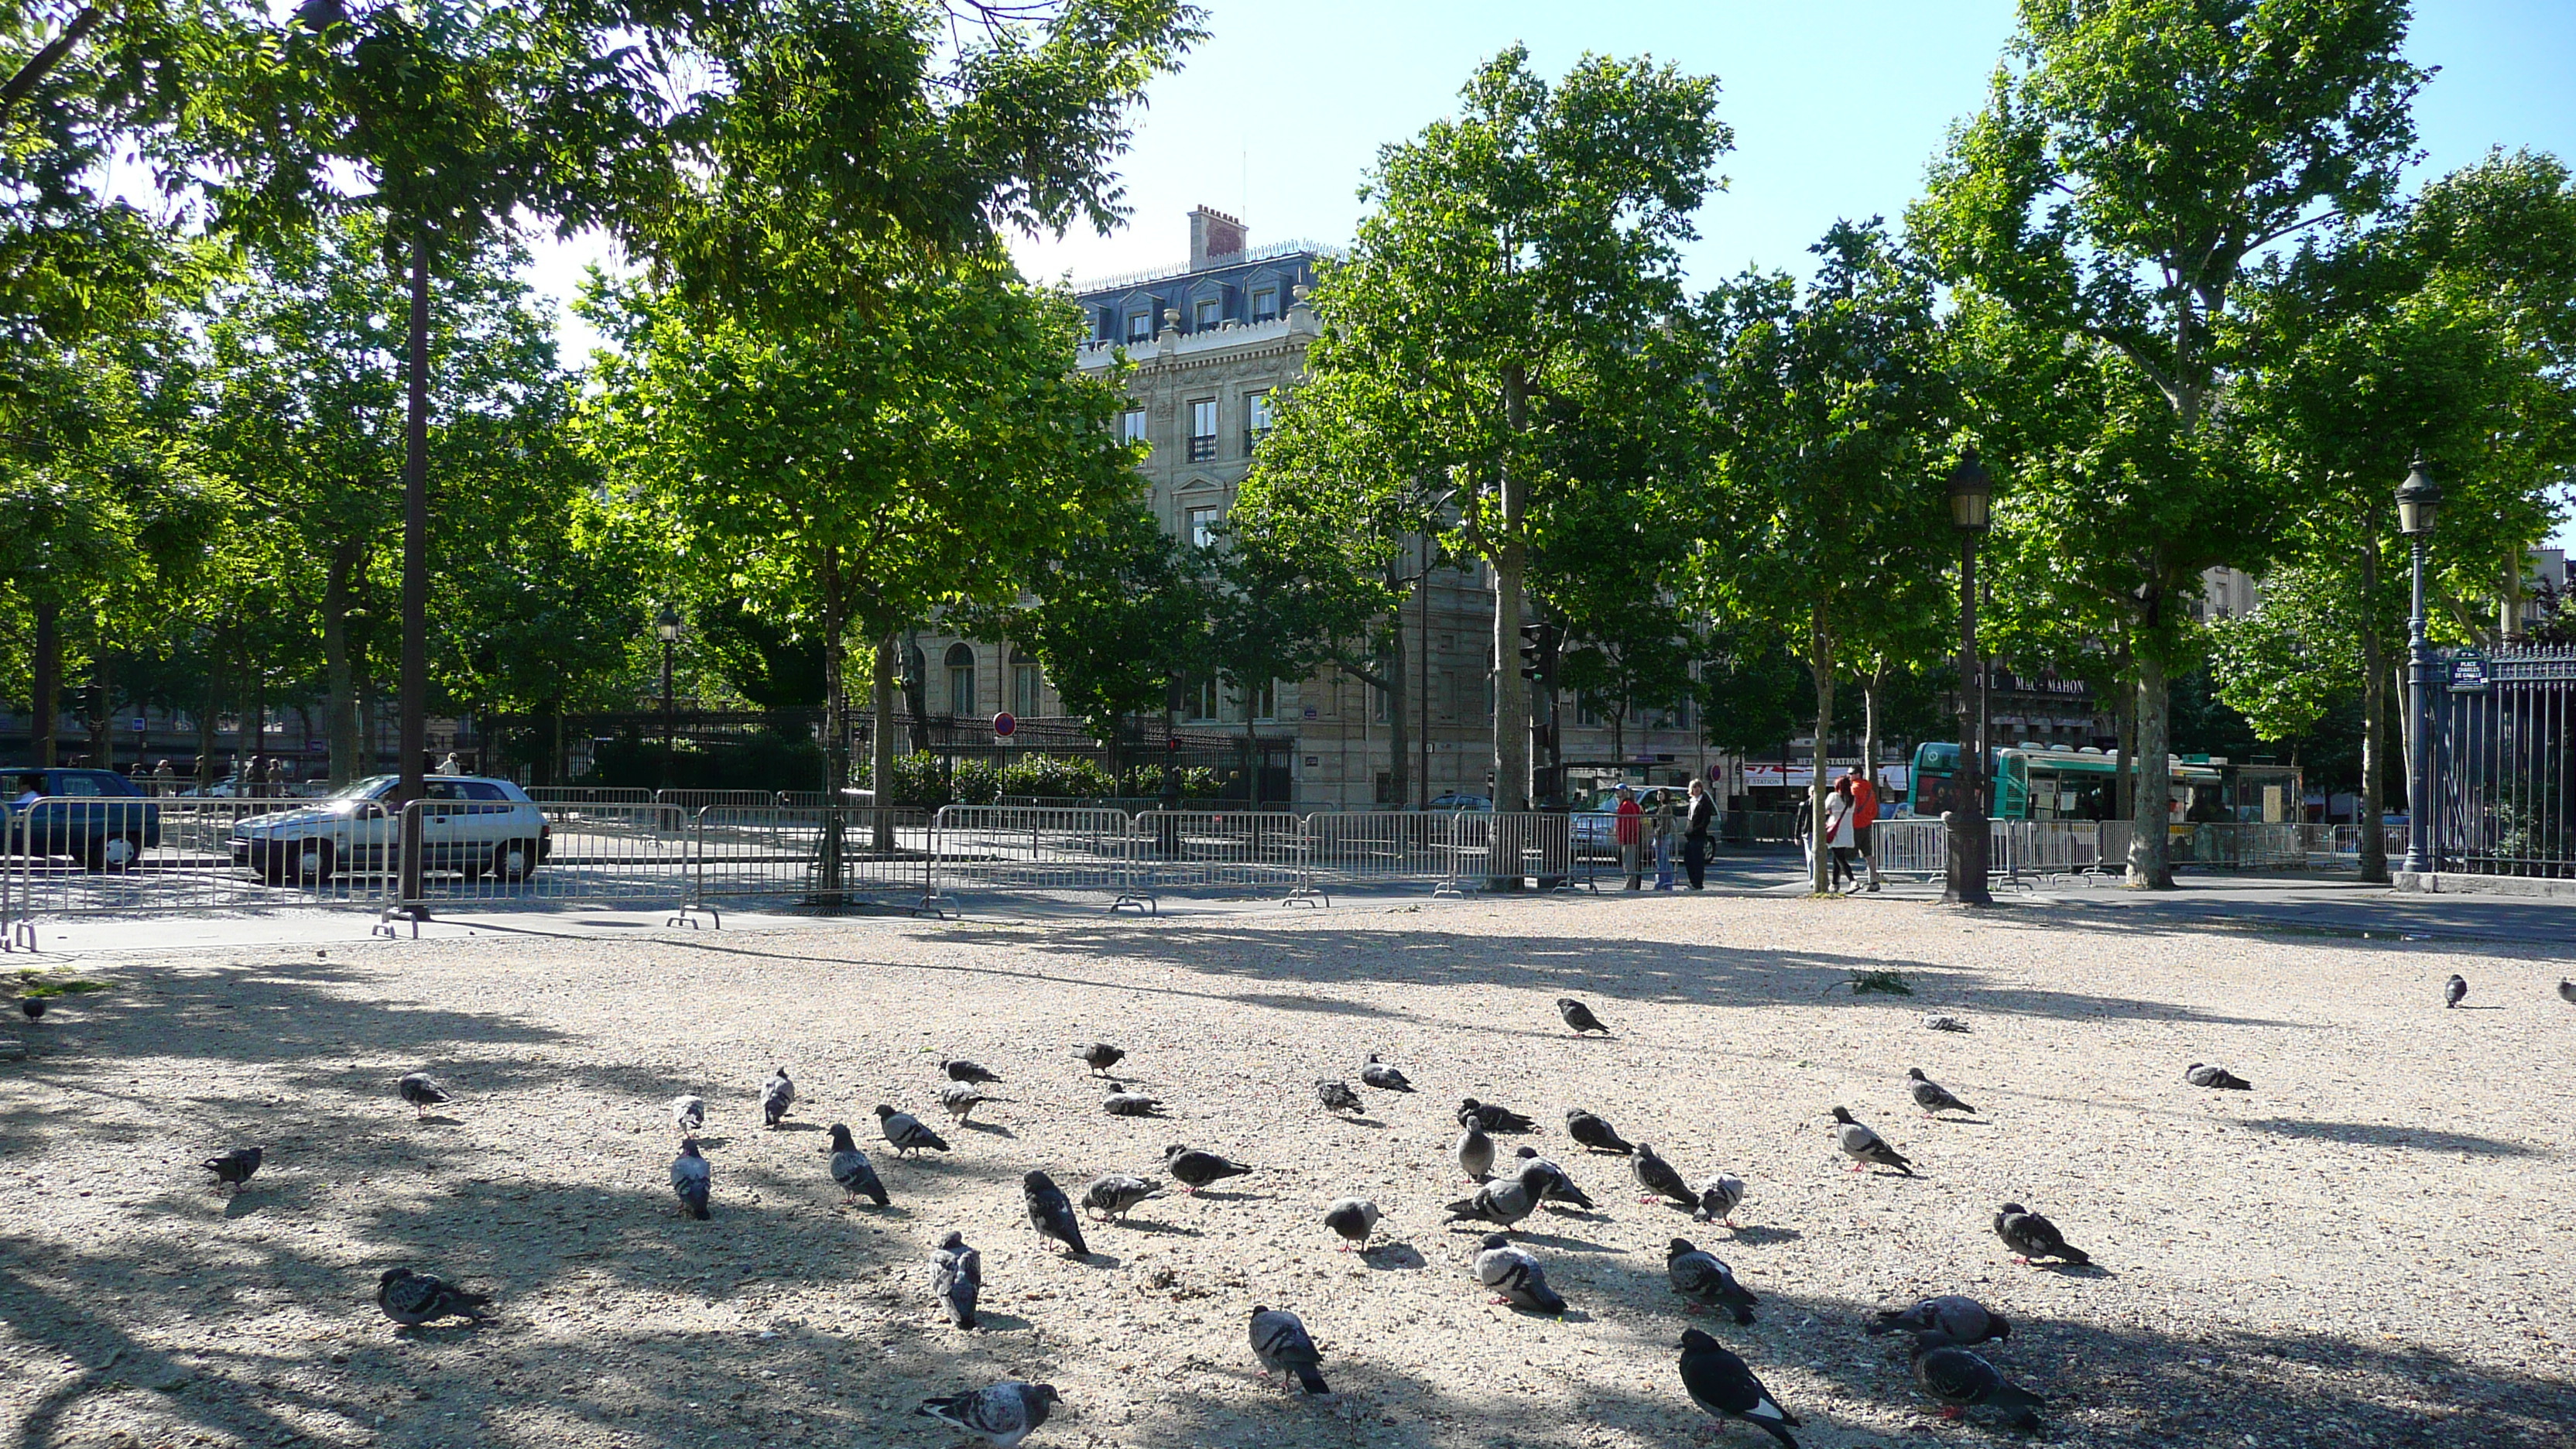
(1123, 1103)
(688, 1114)
(1387, 1079)
(776, 1098)
(1593, 1132)
(905, 1132)
(422, 1091)
(1866, 1148)
(1718, 1198)
(1579, 1016)
(234, 1168)
(1704, 1281)
(417, 1298)
(2200, 1074)
(2455, 990)
(2031, 1236)
(1932, 1097)
(1279, 1341)
(956, 1277)
(690, 1178)
(33, 1006)
(1194, 1169)
(1959, 1378)
(1051, 1213)
(1561, 1188)
(1941, 1021)
(1515, 1276)
(1721, 1383)
(1355, 1218)
(1659, 1179)
(960, 1100)
(2566, 989)
(852, 1170)
(1337, 1097)
(1110, 1198)
(1101, 1056)
(1001, 1415)
(1960, 1319)
(1475, 1153)
(1506, 1202)
(1491, 1117)
(967, 1072)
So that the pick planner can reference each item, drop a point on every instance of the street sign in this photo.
(140, 724)
(2468, 673)
(1004, 725)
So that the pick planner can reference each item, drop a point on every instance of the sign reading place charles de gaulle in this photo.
(2468, 672)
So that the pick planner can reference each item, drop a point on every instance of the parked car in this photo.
(95, 816)
(469, 824)
(1457, 801)
(1595, 826)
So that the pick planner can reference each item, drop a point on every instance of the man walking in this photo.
(1627, 827)
(1695, 827)
(1864, 815)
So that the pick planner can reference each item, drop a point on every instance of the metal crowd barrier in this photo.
(589, 795)
(1260, 850)
(1007, 847)
(740, 853)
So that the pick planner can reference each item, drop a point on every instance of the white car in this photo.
(469, 824)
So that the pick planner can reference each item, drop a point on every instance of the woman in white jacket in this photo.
(1839, 805)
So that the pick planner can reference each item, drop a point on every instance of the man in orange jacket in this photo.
(1864, 815)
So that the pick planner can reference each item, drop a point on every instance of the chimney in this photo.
(1214, 237)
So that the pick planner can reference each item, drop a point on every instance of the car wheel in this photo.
(313, 866)
(514, 860)
(115, 852)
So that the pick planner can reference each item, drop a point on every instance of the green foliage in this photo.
(1890, 983)
(1116, 617)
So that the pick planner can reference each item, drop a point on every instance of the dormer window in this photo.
(1265, 304)
(1140, 326)
(1210, 311)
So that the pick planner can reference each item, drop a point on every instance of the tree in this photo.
(2131, 156)
(1519, 256)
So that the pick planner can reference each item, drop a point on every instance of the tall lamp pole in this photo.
(667, 624)
(2418, 499)
(1971, 511)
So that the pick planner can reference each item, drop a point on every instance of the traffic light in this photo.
(1539, 642)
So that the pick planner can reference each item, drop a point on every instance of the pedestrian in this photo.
(31, 788)
(274, 782)
(1695, 828)
(1662, 815)
(1837, 834)
(165, 781)
(1865, 815)
(450, 766)
(1627, 826)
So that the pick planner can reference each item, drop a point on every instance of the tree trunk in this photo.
(836, 733)
(881, 745)
(2124, 724)
(916, 692)
(1511, 566)
(2371, 798)
(2509, 599)
(206, 719)
(414, 682)
(341, 711)
(1399, 730)
(102, 691)
(46, 697)
(1869, 688)
(2149, 868)
(1820, 664)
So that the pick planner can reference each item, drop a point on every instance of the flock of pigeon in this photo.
(1945, 1328)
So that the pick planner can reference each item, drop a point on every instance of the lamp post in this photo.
(2418, 499)
(1971, 500)
(667, 624)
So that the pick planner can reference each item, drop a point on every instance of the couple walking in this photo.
(1851, 807)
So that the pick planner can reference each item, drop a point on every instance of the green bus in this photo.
(2061, 783)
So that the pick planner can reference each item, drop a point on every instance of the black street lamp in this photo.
(667, 624)
(2418, 499)
(1971, 511)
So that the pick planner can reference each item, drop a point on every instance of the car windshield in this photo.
(366, 789)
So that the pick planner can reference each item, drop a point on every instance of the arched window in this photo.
(961, 679)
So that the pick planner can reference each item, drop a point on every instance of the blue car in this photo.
(94, 816)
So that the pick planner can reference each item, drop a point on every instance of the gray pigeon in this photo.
(1960, 1379)
(1194, 1169)
(422, 1091)
(1280, 1342)
(1337, 1097)
(1718, 1198)
(956, 1277)
(1579, 1016)
(2031, 1236)
(32, 1007)
(1475, 1153)
(1866, 1148)
(688, 1114)
(1593, 1132)
(1001, 1415)
(1111, 1198)
(904, 1132)
(2566, 989)
(1562, 1189)
(690, 1178)
(1954, 1316)
(852, 1170)
(1723, 1384)
(1515, 1276)
(234, 1168)
(1942, 1021)
(959, 1100)
(1100, 1056)
(2201, 1074)
(1932, 1097)
(1051, 1213)
(2455, 990)
(1658, 1178)
(1383, 1077)
(1506, 1202)
(1491, 1117)
(1123, 1103)
(1354, 1218)
(967, 1072)
(776, 1098)
(417, 1298)
(1704, 1281)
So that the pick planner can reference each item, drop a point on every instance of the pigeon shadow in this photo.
(238, 1206)
(2364, 1134)
(1758, 1235)
(1209, 1194)
(786, 1127)
(1560, 1240)
(2074, 1270)
(1369, 1122)
(1391, 1257)
(1000, 1322)
(1147, 1225)
(438, 1119)
(719, 1141)
(994, 1128)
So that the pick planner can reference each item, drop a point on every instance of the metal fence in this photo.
(2504, 792)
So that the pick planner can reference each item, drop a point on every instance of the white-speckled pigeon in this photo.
(1123, 1103)
(776, 1097)
(1110, 1198)
(956, 1278)
(1515, 1276)
(1337, 1096)
(688, 1114)
(959, 1100)
(1001, 1415)
(1718, 1199)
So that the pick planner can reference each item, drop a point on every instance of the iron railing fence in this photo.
(2504, 789)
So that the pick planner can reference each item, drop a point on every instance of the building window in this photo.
(1587, 712)
(1202, 430)
(1265, 305)
(1202, 700)
(1140, 326)
(961, 679)
(1131, 426)
(1209, 312)
(1198, 524)
(1265, 701)
(1256, 419)
(1027, 683)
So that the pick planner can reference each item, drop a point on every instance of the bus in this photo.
(2031, 782)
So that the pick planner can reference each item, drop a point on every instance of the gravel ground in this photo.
(2360, 1251)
